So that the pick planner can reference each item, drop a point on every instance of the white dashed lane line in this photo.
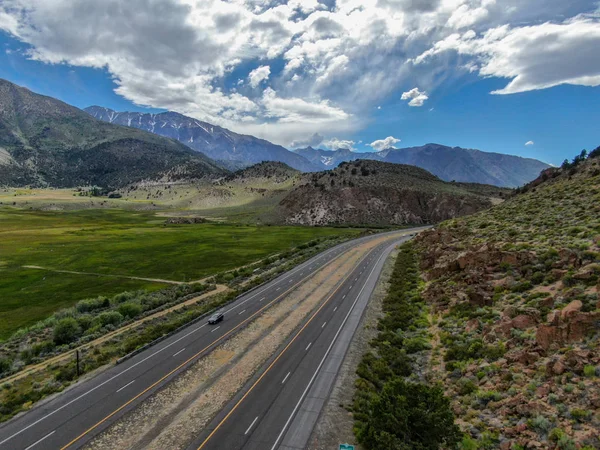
(40, 440)
(251, 425)
(128, 384)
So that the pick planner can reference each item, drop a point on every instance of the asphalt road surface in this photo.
(261, 416)
(266, 409)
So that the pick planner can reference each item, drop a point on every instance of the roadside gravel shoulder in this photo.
(335, 424)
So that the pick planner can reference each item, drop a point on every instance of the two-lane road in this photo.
(72, 418)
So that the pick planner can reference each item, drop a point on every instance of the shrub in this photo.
(129, 309)
(66, 331)
(589, 371)
(540, 424)
(109, 318)
(468, 443)
(5, 365)
(409, 415)
(580, 415)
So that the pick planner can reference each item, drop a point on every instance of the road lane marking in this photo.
(251, 425)
(241, 312)
(215, 329)
(335, 309)
(212, 433)
(308, 346)
(262, 299)
(344, 296)
(287, 423)
(179, 352)
(278, 289)
(350, 287)
(324, 323)
(40, 440)
(286, 377)
(131, 382)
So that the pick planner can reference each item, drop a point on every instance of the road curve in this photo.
(73, 418)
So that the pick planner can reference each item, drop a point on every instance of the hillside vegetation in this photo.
(45, 142)
(514, 296)
(373, 192)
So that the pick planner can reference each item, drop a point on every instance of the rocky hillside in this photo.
(373, 192)
(216, 142)
(448, 163)
(514, 295)
(45, 142)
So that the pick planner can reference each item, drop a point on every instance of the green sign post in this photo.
(346, 447)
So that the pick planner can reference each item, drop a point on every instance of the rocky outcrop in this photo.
(567, 325)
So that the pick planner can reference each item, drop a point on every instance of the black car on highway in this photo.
(216, 318)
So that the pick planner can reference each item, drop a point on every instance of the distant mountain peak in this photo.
(217, 142)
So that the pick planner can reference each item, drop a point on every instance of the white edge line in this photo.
(119, 390)
(37, 442)
(311, 381)
(251, 425)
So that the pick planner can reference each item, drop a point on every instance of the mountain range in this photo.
(448, 163)
(216, 142)
(235, 151)
(45, 142)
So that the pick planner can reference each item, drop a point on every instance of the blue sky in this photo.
(330, 74)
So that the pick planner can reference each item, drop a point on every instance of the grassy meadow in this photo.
(118, 243)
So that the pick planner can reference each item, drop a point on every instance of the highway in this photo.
(261, 414)
(73, 418)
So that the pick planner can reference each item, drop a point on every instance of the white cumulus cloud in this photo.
(382, 144)
(528, 143)
(416, 97)
(532, 57)
(259, 75)
(337, 144)
(320, 66)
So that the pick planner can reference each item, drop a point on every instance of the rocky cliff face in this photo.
(371, 192)
(515, 294)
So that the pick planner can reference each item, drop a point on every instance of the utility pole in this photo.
(77, 354)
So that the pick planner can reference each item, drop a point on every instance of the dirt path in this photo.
(69, 355)
(172, 417)
(156, 280)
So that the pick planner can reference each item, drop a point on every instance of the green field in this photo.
(119, 243)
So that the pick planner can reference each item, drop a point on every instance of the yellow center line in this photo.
(281, 354)
(194, 356)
